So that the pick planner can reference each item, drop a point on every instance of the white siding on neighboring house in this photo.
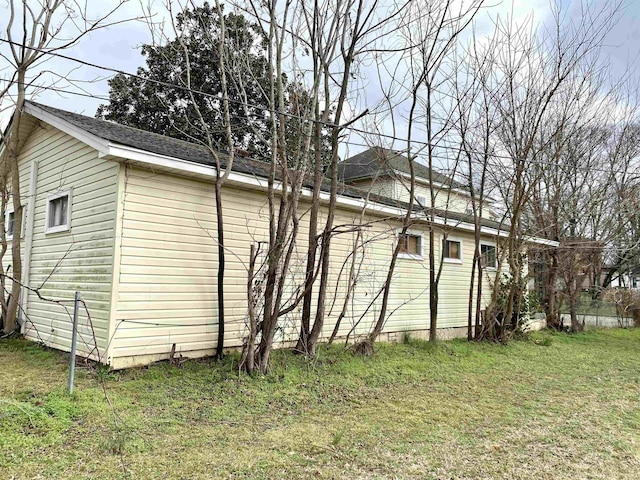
(79, 259)
(384, 186)
(398, 188)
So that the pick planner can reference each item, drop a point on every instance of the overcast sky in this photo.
(119, 47)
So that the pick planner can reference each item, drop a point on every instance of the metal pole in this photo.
(74, 337)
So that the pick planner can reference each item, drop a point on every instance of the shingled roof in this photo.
(153, 142)
(378, 161)
(191, 152)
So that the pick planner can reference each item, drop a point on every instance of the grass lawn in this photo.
(555, 406)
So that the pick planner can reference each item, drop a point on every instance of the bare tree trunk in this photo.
(247, 360)
(478, 312)
(573, 291)
(221, 266)
(10, 321)
(551, 290)
(433, 289)
(305, 327)
(349, 52)
(4, 197)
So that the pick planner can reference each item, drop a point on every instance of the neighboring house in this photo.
(628, 279)
(386, 172)
(127, 218)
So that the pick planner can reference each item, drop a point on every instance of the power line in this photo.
(72, 92)
(493, 160)
(493, 157)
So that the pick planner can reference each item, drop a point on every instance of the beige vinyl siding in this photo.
(80, 259)
(167, 273)
(454, 283)
(168, 269)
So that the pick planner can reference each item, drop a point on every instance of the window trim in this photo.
(423, 203)
(456, 261)
(8, 212)
(489, 244)
(65, 227)
(411, 256)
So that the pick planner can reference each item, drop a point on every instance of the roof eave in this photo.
(78, 133)
(116, 151)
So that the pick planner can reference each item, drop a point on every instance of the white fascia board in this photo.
(542, 241)
(154, 159)
(491, 231)
(185, 166)
(78, 133)
(142, 156)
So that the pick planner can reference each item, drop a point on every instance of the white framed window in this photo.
(9, 222)
(411, 245)
(488, 256)
(452, 250)
(58, 213)
(421, 200)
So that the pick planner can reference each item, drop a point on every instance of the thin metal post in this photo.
(74, 338)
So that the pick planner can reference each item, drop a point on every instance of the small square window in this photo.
(488, 256)
(10, 223)
(421, 200)
(410, 244)
(58, 218)
(452, 250)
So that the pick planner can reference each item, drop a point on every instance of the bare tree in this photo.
(622, 252)
(340, 40)
(430, 35)
(532, 71)
(474, 128)
(284, 185)
(221, 146)
(576, 258)
(328, 47)
(34, 31)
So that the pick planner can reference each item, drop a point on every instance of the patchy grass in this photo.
(554, 407)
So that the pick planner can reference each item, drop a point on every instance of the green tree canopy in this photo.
(167, 110)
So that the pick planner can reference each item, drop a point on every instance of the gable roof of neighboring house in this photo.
(379, 161)
(115, 140)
